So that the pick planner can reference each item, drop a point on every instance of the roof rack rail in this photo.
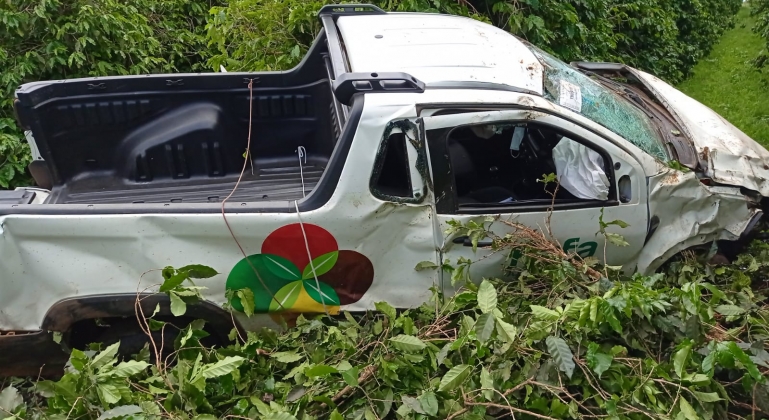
(348, 84)
(336, 10)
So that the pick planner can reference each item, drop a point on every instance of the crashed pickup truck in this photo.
(392, 126)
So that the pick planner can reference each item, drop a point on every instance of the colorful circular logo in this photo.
(288, 274)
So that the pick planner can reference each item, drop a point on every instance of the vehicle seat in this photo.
(466, 177)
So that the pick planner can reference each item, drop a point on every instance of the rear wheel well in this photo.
(102, 318)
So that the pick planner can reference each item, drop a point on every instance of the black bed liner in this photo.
(181, 137)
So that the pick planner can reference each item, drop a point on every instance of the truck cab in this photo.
(322, 188)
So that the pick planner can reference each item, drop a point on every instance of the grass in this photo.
(727, 82)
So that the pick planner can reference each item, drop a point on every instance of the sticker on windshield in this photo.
(571, 96)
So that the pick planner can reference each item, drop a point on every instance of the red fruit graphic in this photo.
(288, 242)
(351, 276)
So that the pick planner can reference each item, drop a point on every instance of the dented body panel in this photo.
(726, 154)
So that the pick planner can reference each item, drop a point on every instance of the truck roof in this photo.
(438, 48)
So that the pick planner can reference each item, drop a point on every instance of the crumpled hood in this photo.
(727, 155)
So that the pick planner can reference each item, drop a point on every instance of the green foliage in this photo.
(760, 9)
(727, 81)
(554, 342)
(182, 295)
(57, 39)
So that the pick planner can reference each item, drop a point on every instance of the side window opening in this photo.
(392, 177)
(505, 164)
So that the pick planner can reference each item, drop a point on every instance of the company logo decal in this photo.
(285, 269)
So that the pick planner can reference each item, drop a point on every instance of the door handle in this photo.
(465, 241)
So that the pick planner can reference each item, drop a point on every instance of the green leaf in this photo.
(487, 297)
(707, 396)
(335, 415)
(10, 399)
(561, 354)
(129, 368)
(484, 326)
(220, 368)
(506, 331)
(287, 356)
(320, 370)
(246, 297)
(386, 309)
(680, 359)
(120, 411)
(729, 310)
(407, 343)
(197, 271)
(57, 337)
(106, 356)
(413, 404)
(424, 265)
(109, 394)
(322, 264)
(280, 416)
(544, 314)
(744, 359)
(687, 410)
(616, 239)
(429, 403)
(454, 377)
(175, 281)
(597, 361)
(350, 376)
(387, 404)
(487, 383)
(178, 307)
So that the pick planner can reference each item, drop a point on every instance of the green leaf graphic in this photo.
(281, 267)
(322, 265)
(329, 295)
(286, 297)
(264, 285)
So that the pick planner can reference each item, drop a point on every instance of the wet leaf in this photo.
(407, 343)
(487, 297)
(561, 354)
(178, 307)
(197, 271)
(454, 377)
(680, 358)
(484, 327)
(544, 314)
(729, 310)
(320, 370)
(425, 265)
(429, 403)
(488, 383)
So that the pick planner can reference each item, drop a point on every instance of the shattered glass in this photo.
(602, 106)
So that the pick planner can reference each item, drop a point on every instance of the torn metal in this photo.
(691, 213)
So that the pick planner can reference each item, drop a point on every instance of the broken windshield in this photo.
(568, 87)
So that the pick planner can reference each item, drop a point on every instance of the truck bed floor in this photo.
(265, 184)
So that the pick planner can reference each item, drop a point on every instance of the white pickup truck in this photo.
(393, 125)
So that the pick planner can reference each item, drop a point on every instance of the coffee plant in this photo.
(760, 9)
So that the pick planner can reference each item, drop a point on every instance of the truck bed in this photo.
(181, 138)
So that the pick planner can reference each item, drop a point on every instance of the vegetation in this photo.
(760, 9)
(53, 39)
(727, 82)
(560, 338)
